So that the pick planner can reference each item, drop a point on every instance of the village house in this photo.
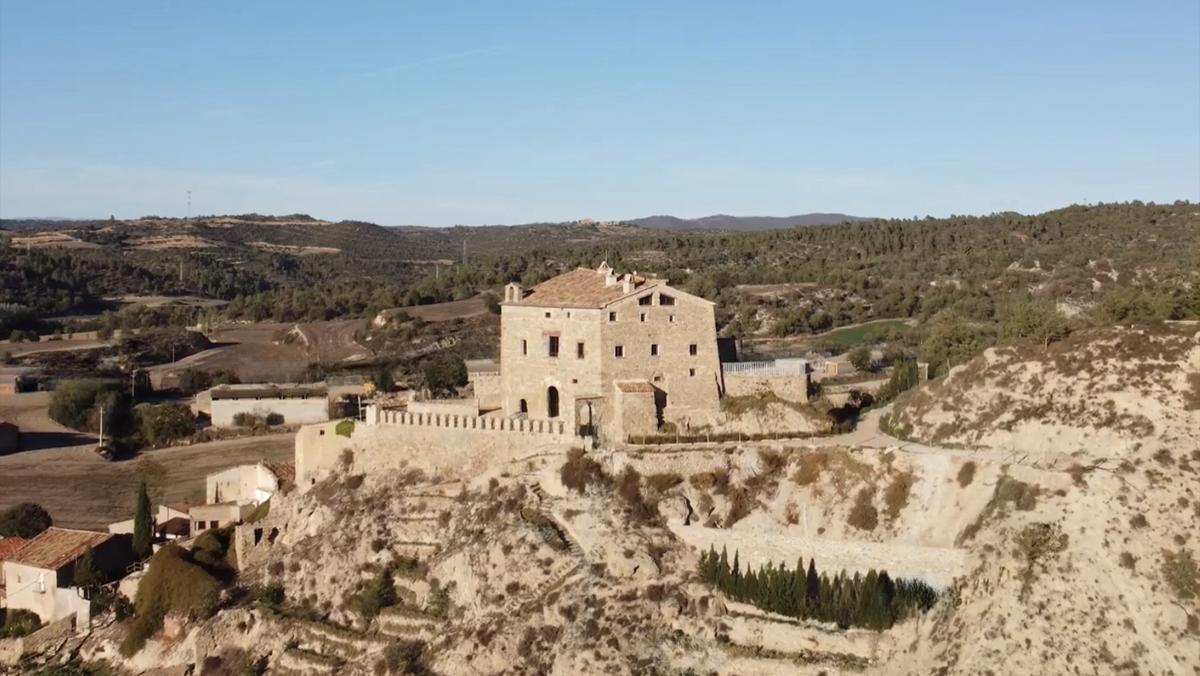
(289, 403)
(171, 522)
(8, 547)
(39, 576)
(614, 355)
(232, 494)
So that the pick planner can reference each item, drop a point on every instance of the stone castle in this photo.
(590, 358)
(612, 355)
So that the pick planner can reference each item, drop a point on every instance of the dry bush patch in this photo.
(1181, 573)
(895, 497)
(581, 471)
(966, 474)
(863, 515)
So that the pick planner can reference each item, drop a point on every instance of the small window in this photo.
(524, 346)
(671, 318)
(552, 346)
(646, 299)
(692, 349)
(643, 316)
(216, 524)
(619, 351)
(664, 299)
(547, 315)
(612, 316)
(653, 349)
(691, 373)
(579, 350)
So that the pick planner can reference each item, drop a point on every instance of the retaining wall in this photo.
(446, 444)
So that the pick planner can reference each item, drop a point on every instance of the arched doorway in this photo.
(524, 407)
(552, 402)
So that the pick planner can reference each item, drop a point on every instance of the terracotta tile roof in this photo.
(635, 386)
(582, 288)
(9, 546)
(54, 547)
(176, 525)
(268, 391)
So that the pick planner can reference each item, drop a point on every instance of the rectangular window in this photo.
(547, 315)
(670, 318)
(619, 351)
(643, 316)
(579, 350)
(653, 349)
(216, 524)
(645, 300)
(692, 349)
(552, 346)
(664, 299)
(691, 373)
(612, 316)
(524, 346)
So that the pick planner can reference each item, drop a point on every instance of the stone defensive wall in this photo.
(446, 444)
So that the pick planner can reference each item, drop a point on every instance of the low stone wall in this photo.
(788, 387)
(450, 445)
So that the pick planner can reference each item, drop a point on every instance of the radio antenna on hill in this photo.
(464, 252)
(189, 209)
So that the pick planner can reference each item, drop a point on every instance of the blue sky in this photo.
(444, 112)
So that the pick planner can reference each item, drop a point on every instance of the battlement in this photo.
(455, 421)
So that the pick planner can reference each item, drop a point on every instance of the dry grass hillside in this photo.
(1103, 393)
(1084, 561)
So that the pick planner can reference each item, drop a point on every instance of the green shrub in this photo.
(162, 424)
(24, 520)
(19, 622)
(344, 428)
(379, 593)
(175, 583)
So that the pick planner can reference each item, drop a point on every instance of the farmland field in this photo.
(82, 490)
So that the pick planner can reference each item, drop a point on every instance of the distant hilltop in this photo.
(714, 222)
(726, 222)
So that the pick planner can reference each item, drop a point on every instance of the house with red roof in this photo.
(39, 576)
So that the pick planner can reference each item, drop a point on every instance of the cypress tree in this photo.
(812, 583)
(86, 574)
(143, 525)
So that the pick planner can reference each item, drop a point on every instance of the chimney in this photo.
(605, 269)
(627, 284)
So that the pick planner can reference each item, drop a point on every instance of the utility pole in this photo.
(101, 427)
(189, 209)
(464, 251)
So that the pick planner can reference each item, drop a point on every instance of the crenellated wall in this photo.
(447, 444)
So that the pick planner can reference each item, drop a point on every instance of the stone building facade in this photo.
(612, 355)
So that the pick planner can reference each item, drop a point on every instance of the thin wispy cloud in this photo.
(429, 61)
